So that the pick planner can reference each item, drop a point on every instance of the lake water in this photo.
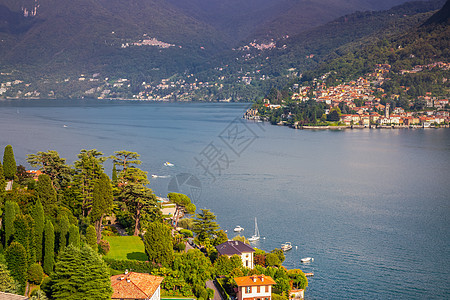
(371, 206)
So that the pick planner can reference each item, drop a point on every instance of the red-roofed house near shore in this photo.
(239, 248)
(136, 286)
(255, 287)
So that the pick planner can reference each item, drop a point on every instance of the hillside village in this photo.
(362, 103)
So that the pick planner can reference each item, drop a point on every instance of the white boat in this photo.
(256, 236)
(307, 259)
(286, 246)
(238, 229)
(168, 164)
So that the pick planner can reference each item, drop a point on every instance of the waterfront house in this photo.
(230, 248)
(255, 287)
(133, 285)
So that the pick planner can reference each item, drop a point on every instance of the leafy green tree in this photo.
(280, 254)
(74, 235)
(64, 225)
(9, 163)
(194, 267)
(49, 247)
(88, 169)
(137, 197)
(38, 295)
(35, 274)
(102, 202)
(80, 273)
(37, 213)
(204, 225)
(91, 237)
(298, 278)
(11, 210)
(272, 259)
(158, 244)
(47, 195)
(333, 116)
(125, 159)
(54, 166)
(241, 238)
(221, 237)
(16, 260)
(183, 205)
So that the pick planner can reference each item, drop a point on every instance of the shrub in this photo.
(186, 233)
(124, 264)
(103, 247)
(179, 247)
(35, 274)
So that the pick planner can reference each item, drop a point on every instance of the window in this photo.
(267, 288)
(258, 289)
(248, 289)
(246, 263)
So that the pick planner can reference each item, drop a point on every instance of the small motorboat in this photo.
(168, 164)
(286, 246)
(238, 229)
(307, 259)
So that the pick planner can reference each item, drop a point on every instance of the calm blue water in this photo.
(371, 206)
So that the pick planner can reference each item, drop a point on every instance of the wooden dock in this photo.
(309, 274)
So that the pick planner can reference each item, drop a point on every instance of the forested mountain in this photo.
(179, 50)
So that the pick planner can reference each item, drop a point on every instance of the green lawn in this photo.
(126, 247)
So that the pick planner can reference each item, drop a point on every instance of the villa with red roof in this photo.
(255, 287)
(136, 286)
(230, 248)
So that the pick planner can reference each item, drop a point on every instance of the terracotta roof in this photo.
(134, 285)
(233, 247)
(254, 280)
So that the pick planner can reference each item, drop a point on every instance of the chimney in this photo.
(254, 278)
(128, 280)
(262, 278)
(126, 271)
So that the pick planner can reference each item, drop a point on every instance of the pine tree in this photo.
(39, 222)
(91, 237)
(102, 202)
(74, 235)
(63, 232)
(16, 260)
(8, 220)
(80, 273)
(9, 163)
(46, 194)
(49, 247)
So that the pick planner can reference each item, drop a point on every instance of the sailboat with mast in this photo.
(256, 236)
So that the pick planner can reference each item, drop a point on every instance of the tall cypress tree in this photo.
(91, 237)
(2, 181)
(49, 247)
(74, 235)
(63, 232)
(8, 220)
(102, 202)
(39, 223)
(9, 163)
(24, 234)
(114, 174)
(46, 194)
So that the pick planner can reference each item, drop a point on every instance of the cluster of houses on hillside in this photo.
(366, 109)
